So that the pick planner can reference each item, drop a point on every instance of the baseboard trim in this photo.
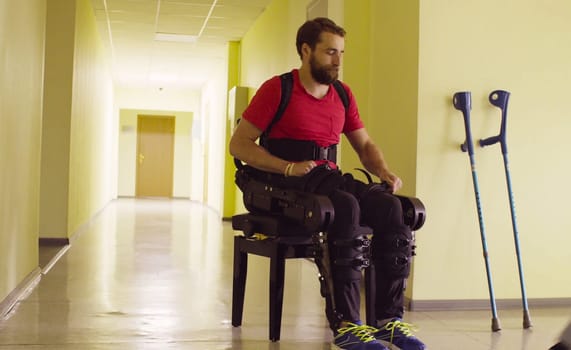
(483, 304)
(53, 242)
(20, 293)
(55, 259)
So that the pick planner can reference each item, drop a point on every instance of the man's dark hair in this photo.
(310, 31)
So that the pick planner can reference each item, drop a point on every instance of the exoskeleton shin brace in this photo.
(340, 259)
(394, 251)
(352, 253)
(323, 262)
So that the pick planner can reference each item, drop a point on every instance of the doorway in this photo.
(155, 156)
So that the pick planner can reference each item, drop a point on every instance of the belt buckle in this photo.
(322, 153)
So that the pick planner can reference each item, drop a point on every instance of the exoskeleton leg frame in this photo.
(335, 257)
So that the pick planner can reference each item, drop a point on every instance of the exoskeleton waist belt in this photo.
(300, 150)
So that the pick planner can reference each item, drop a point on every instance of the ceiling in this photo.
(201, 30)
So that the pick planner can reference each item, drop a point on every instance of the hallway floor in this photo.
(157, 274)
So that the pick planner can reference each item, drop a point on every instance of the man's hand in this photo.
(372, 158)
(392, 180)
(302, 168)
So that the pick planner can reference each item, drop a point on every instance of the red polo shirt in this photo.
(306, 117)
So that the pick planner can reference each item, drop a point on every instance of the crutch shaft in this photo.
(500, 98)
(462, 102)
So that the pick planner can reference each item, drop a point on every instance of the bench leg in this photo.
(239, 283)
(277, 272)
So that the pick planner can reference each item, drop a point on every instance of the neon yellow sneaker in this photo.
(399, 334)
(356, 337)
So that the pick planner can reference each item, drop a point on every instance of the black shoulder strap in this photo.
(342, 93)
(286, 88)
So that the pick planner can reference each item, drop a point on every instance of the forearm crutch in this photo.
(462, 102)
(499, 98)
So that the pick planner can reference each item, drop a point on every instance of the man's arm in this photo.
(243, 146)
(372, 157)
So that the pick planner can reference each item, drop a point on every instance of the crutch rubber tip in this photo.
(496, 324)
(526, 320)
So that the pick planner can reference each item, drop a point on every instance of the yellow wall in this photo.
(268, 48)
(93, 132)
(356, 68)
(58, 85)
(392, 114)
(523, 47)
(79, 130)
(230, 189)
(22, 32)
(128, 151)
(381, 66)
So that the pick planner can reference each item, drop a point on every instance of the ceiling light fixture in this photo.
(178, 38)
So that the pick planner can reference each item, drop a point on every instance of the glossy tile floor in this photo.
(156, 274)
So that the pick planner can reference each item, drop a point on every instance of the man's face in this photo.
(325, 59)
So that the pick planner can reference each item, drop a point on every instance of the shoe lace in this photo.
(405, 328)
(363, 332)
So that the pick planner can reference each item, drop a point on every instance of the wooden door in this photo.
(155, 156)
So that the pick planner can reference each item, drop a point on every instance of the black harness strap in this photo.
(342, 94)
(286, 89)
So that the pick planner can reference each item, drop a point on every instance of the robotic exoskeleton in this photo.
(278, 211)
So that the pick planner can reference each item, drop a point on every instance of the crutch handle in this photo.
(463, 102)
(499, 98)
(489, 141)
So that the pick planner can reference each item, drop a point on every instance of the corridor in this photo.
(157, 274)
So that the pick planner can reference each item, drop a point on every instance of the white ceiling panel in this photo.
(128, 29)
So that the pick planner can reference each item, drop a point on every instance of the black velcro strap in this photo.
(359, 262)
(358, 242)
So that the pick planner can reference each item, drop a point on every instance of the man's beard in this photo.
(322, 74)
